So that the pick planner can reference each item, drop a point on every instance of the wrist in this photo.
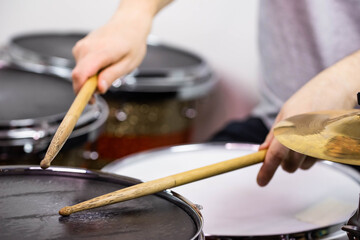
(148, 8)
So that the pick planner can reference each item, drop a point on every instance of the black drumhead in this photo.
(25, 95)
(49, 45)
(30, 201)
(161, 57)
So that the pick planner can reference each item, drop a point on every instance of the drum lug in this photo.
(28, 148)
(190, 113)
(199, 207)
(196, 207)
(120, 115)
(127, 80)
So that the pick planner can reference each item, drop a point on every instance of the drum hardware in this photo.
(190, 113)
(352, 227)
(128, 79)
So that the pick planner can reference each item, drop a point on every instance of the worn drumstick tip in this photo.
(44, 164)
(68, 123)
(65, 211)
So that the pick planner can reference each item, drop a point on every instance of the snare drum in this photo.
(155, 106)
(30, 199)
(309, 204)
(32, 106)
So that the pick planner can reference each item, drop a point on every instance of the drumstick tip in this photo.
(65, 211)
(44, 164)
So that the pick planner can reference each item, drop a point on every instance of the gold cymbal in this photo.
(328, 135)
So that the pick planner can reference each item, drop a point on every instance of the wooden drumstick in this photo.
(161, 184)
(68, 123)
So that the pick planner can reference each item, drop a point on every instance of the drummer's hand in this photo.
(116, 48)
(334, 88)
(277, 154)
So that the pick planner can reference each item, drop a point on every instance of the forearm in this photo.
(345, 75)
(148, 8)
(138, 14)
(334, 88)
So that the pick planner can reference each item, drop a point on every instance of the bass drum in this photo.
(32, 106)
(31, 198)
(311, 204)
(154, 106)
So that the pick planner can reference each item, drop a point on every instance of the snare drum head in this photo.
(233, 203)
(30, 199)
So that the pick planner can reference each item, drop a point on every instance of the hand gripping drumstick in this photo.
(68, 123)
(161, 184)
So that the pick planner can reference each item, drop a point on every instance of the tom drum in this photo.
(32, 106)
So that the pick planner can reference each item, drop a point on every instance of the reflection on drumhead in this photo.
(233, 203)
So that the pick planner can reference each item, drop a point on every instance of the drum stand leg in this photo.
(353, 226)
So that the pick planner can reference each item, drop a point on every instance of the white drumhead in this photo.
(233, 203)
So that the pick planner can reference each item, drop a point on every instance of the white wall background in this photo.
(221, 31)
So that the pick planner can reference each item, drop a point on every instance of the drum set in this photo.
(139, 131)
(155, 106)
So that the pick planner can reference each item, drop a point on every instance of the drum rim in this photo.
(36, 134)
(181, 80)
(20, 53)
(137, 157)
(317, 232)
(170, 196)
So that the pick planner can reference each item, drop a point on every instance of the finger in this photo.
(276, 153)
(86, 68)
(268, 139)
(119, 69)
(80, 48)
(270, 136)
(293, 161)
(111, 73)
(308, 162)
(92, 100)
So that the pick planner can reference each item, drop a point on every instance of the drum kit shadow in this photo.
(328, 135)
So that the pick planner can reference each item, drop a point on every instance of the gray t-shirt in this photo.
(297, 40)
